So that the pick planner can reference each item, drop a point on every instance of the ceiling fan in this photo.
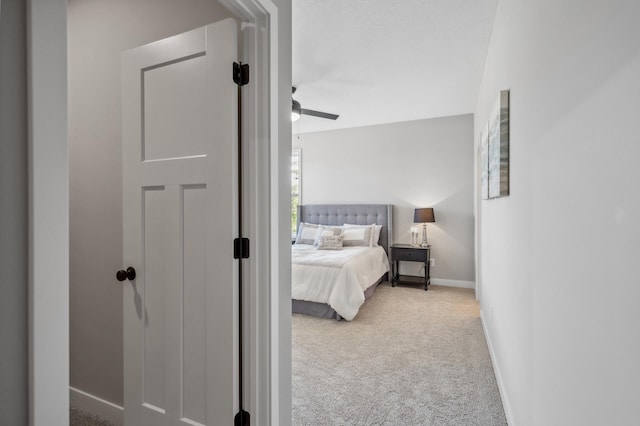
(297, 110)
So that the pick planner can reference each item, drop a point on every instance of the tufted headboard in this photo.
(357, 214)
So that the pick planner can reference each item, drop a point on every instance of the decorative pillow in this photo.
(376, 232)
(330, 242)
(328, 231)
(358, 235)
(307, 234)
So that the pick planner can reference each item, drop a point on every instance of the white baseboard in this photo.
(97, 406)
(453, 283)
(496, 370)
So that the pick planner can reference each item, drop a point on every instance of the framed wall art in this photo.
(498, 148)
(484, 162)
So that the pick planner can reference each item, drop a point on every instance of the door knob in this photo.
(129, 274)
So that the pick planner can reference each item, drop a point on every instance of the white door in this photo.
(180, 218)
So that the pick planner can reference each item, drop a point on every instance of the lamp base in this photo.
(424, 236)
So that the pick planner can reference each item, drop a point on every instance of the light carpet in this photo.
(410, 357)
(82, 418)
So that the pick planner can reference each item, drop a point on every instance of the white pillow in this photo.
(358, 235)
(376, 232)
(307, 233)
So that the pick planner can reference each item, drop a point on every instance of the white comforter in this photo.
(336, 277)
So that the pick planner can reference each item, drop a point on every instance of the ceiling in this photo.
(385, 61)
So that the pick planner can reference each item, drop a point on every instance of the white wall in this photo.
(560, 288)
(99, 30)
(424, 163)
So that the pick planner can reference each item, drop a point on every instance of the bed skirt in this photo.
(323, 310)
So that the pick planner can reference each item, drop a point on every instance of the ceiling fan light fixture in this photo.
(296, 110)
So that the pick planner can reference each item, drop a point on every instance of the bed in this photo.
(332, 286)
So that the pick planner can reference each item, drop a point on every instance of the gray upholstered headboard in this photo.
(357, 214)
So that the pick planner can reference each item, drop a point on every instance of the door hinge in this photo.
(242, 419)
(241, 248)
(240, 73)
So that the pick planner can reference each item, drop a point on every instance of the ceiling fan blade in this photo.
(319, 114)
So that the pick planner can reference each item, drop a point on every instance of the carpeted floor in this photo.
(410, 357)
(82, 418)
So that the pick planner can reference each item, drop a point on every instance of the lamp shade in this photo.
(424, 215)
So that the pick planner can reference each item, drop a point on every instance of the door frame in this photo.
(266, 32)
(266, 45)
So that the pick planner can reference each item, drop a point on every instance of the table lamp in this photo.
(424, 216)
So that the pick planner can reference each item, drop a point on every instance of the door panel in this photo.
(155, 280)
(194, 307)
(174, 105)
(180, 216)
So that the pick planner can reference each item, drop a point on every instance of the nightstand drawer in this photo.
(415, 255)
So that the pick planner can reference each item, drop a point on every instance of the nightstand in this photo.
(409, 253)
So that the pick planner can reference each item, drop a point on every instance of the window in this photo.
(296, 188)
